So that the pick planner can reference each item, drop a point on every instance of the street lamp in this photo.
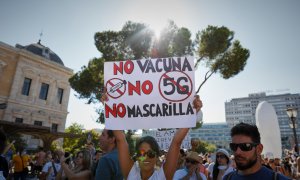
(292, 113)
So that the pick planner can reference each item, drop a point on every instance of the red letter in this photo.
(136, 88)
(118, 68)
(147, 87)
(121, 110)
(108, 111)
(129, 66)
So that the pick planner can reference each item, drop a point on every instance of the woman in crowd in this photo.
(147, 154)
(80, 171)
(222, 165)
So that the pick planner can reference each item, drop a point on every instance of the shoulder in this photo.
(228, 175)
(85, 173)
(134, 172)
(159, 174)
(281, 177)
(179, 173)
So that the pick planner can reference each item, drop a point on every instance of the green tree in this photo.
(134, 41)
(205, 147)
(215, 48)
(19, 144)
(75, 144)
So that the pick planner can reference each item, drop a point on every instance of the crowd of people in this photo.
(115, 162)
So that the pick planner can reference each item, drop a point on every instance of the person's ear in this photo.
(112, 140)
(259, 149)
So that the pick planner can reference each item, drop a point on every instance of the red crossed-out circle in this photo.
(176, 85)
(115, 87)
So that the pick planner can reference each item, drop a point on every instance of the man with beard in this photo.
(108, 167)
(247, 150)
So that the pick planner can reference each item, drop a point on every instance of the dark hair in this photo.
(2, 141)
(182, 152)
(67, 154)
(149, 140)
(216, 169)
(110, 134)
(247, 130)
(86, 159)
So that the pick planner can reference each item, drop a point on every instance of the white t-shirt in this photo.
(179, 174)
(135, 173)
(228, 170)
(46, 167)
(211, 167)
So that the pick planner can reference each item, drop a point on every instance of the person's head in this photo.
(2, 141)
(222, 162)
(107, 140)
(83, 159)
(194, 143)
(277, 162)
(192, 159)
(147, 152)
(55, 156)
(222, 157)
(246, 146)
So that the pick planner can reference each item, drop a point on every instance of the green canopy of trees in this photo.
(74, 145)
(214, 46)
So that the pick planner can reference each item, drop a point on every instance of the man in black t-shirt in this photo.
(247, 149)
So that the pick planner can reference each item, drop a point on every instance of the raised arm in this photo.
(173, 153)
(125, 160)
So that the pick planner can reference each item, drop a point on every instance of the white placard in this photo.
(164, 138)
(150, 93)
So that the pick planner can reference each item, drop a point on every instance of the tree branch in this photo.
(198, 61)
(207, 76)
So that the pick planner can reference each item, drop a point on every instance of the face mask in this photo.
(222, 167)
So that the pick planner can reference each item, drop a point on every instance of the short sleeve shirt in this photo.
(46, 167)
(264, 173)
(179, 174)
(135, 173)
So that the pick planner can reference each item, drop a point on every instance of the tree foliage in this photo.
(74, 144)
(19, 144)
(205, 147)
(214, 46)
(216, 49)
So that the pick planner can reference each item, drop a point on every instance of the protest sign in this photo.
(164, 138)
(150, 93)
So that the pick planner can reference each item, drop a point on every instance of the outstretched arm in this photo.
(125, 160)
(173, 153)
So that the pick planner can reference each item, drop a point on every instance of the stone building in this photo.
(34, 91)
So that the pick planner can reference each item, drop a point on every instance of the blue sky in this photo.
(269, 29)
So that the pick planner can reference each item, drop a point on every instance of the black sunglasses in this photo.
(242, 146)
(191, 161)
(149, 154)
(221, 156)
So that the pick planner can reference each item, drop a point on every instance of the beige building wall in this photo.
(16, 65)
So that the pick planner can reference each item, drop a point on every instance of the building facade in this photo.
(243, 110)
(213, 133)
(34, 87)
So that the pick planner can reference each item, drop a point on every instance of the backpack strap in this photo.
(54, 169)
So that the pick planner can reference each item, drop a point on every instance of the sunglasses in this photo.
(242, 146)
(191, 161)
(221, 156)
(149, 154)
